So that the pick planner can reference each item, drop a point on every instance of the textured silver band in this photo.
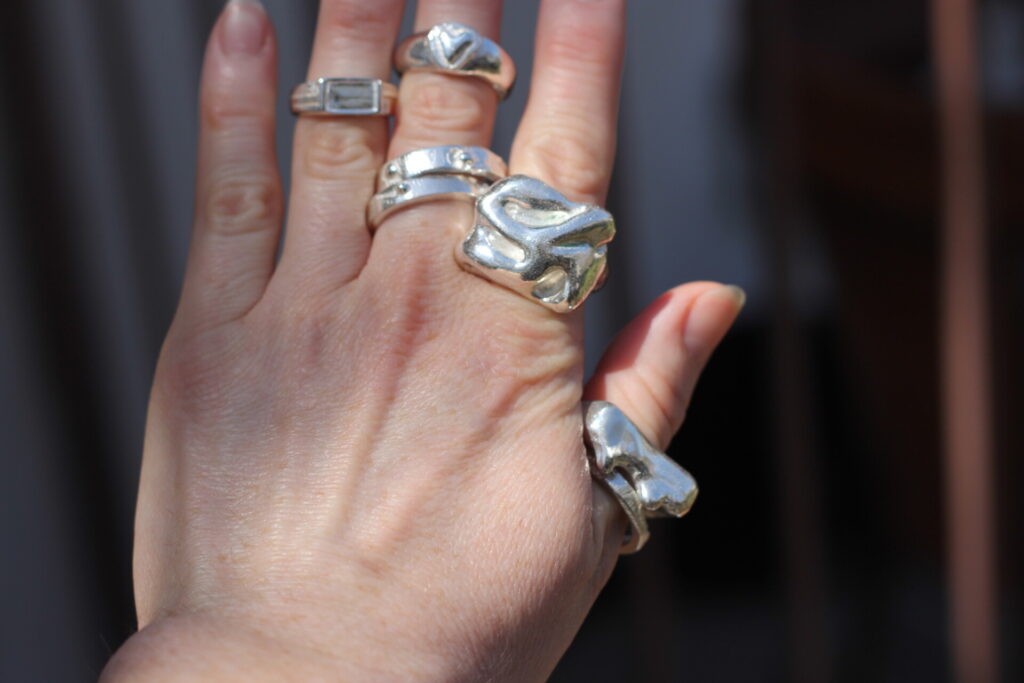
(457, 50)
(477, 162)
(344, 97)
(419, 190)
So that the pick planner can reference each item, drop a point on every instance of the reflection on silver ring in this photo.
(531, 239)
(344, 97)
(638, 534)
(477, 162)
(457, 50)
(639, 476)
(419, 190)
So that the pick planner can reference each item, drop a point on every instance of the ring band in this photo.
(344, 97)
(638, 533)
(419, 190)
(531, 239)
(641, 477)
(457, 50)
(477, 162)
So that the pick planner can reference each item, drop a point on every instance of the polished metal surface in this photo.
(531, 239)
(344, 97)
(419, 190)
(619, 451)
(638, 534)
(457, 50)
(443, 160)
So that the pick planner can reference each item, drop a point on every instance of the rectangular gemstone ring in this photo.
(344, 97)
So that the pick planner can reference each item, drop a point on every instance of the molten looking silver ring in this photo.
(457, 50)
(531, 239)
(641, 477)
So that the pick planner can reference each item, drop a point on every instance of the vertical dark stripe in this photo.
(795, 435)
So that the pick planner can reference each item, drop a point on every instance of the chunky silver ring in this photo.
(443, 160)
(344, 97)
(618, 454)
(419, 190)
(458, 50)
(529, 238)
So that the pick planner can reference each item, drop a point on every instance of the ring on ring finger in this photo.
(344, 97)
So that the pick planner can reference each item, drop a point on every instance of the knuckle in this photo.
(197, 368)
(571, 164)
(358, 19)
(563, 52)
(238, 205)
(585, 48)
(440, 103)
(311, 331)
(335, 149)
(526, 350)
(225, 111)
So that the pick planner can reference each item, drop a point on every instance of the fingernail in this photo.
(738, 294)
(245, 27)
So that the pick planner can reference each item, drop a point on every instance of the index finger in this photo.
(567, 135)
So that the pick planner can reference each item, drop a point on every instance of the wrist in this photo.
(198, 647)
(216, 648)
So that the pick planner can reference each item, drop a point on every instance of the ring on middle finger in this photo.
(428, 174)
(419, 190)
(457, 50)
(461, 160)
(461, 172)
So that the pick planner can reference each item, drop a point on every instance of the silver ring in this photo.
(531, 239)
(419, 190)
(344, 97)
(619, 453)
(638, 534)
(458, 50)
(443, 160)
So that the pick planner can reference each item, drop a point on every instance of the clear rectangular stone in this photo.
(344, 96)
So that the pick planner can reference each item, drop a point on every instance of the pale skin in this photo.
(362, 462)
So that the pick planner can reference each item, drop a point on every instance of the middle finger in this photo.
(439, 109)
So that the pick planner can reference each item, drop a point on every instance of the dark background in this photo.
(792, 148)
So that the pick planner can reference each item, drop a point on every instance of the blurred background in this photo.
(855, 165)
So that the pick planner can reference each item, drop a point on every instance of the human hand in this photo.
(362, 461)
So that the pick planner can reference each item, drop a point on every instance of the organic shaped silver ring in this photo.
(477, 162)
(457, 50)
(531, 239)
(344, 97)
(618, 452)
(419, 190)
